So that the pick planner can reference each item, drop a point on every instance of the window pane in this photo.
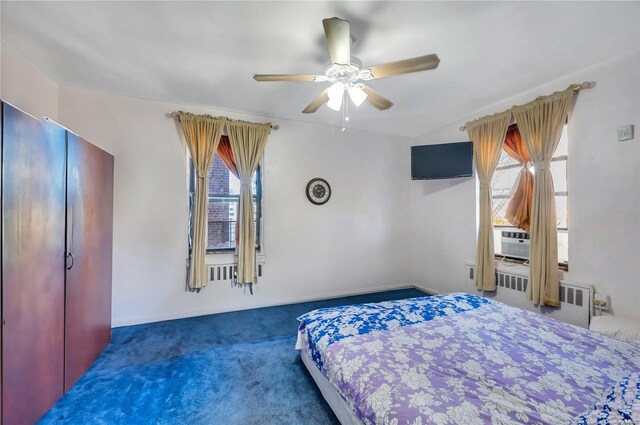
(559, 174)
(234, 184)
(219, 178)
(561, 212)
(221, 225)
(224, 188)
(503, 181)
(502, 186)
(497, 241)
(499, 208)
(563, 246)
(563, 144)
(505, 159)
(223, 181)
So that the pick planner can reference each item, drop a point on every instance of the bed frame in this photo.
(338, 404)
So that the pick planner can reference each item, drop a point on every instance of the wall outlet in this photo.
(625, 133)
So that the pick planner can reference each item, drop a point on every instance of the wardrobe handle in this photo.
(69, 255)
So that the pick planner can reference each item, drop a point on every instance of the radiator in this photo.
(575, 298)
(226, 272)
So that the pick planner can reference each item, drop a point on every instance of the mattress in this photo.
(459, 358)
(341, 407)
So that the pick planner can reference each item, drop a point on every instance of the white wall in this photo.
(350, 245)
(603, 184)
(25, 86)
(358, 241)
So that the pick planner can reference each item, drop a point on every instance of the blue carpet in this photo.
(229, 368)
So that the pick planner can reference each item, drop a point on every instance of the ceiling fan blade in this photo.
(288, 77)
(421, 63)
(316, 103)
(338, 40)
(376, 99)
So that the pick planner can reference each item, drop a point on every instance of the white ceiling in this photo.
(205, 53)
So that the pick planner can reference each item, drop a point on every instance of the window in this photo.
(224, 190)
(503, 183)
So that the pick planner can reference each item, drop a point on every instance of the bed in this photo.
(463, 359)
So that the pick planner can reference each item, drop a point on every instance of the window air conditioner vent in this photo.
(515, 244)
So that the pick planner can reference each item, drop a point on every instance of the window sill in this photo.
(228, 258)
(516, 266)
(510, 226)
(227, 251)
(510, 262)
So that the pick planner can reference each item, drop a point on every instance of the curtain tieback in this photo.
(541, 166)
(246, 181)
(202, 174)
(484, 185)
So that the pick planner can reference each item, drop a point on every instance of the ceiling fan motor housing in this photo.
(345, 74)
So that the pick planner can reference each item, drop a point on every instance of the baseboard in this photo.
(426, 289)
(139, 320)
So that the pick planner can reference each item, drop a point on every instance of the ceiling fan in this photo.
(345, 74)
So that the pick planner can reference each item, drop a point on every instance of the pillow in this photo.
(617, 327)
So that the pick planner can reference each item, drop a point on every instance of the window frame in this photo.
(258, 219)
(562, 265)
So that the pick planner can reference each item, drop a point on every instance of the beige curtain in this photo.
(487, 135)
(202, 134)
(247, 142)
(540, 123)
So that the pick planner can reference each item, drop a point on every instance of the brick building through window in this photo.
(224, 191)
(219, 217)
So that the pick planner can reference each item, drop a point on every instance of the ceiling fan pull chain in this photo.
(346, 106)
(345, 110)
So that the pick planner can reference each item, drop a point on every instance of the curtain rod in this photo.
(177, 115)
(582, 86)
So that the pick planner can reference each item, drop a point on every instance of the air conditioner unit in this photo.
(515, 244)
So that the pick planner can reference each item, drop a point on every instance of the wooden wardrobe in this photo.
(57, 207)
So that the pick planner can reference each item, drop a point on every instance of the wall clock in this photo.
(318, 191)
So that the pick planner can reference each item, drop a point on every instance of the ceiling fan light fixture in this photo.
(335, 93)
(335, 103)
(357, 95)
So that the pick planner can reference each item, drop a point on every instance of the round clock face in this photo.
(318, 191)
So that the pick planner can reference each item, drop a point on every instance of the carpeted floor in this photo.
(231, 368)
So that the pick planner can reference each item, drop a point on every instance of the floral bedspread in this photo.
(478, 362)
(321, 328)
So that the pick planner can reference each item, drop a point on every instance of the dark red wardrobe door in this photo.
(33, 183)
(89, 244)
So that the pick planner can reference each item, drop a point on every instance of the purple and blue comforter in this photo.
(462, 359)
